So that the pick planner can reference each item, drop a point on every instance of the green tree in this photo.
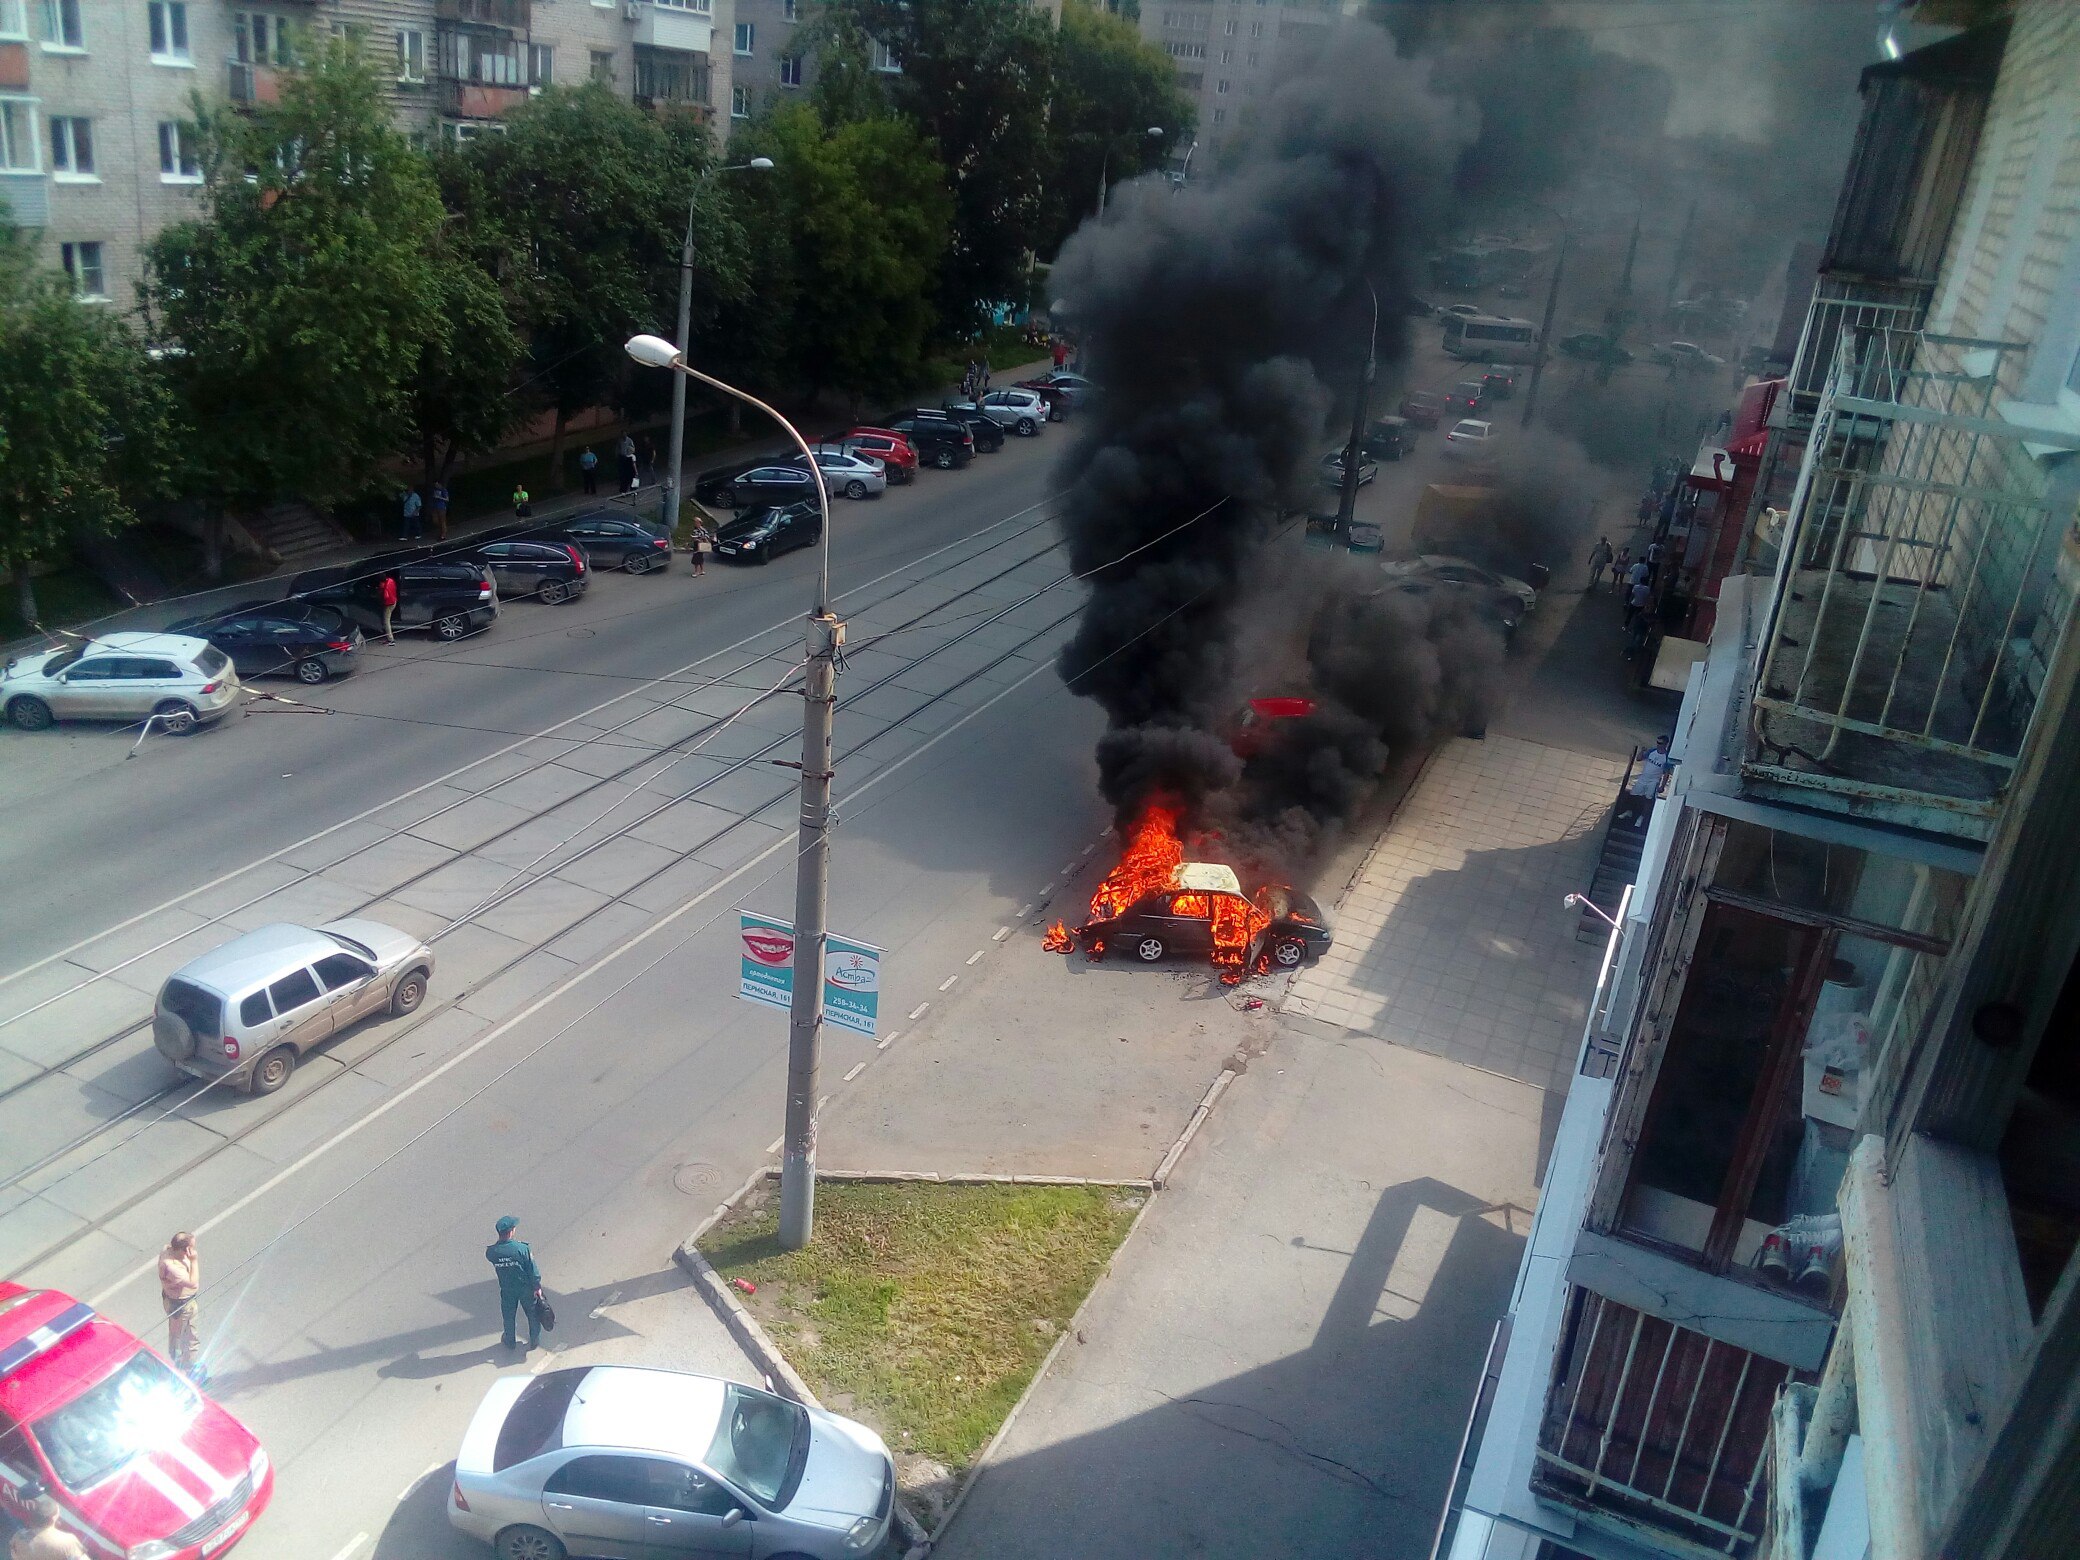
(975, 76)
(83, 418)
(302, 299)
(864, 216)
(1110, 88)
(592, 194)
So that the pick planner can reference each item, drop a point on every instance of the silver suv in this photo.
(248, 1010)
(127, 676)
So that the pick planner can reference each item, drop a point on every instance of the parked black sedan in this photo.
(763, 534)
(611, 541)
(280, 638)
(717, 488)
(779, 482)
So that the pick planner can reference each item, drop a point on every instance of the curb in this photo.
(967, 1178)
(1214, 1091)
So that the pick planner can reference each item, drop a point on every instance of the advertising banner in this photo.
(851, 972)
(766, 973)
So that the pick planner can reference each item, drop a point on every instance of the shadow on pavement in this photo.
(418, 1528)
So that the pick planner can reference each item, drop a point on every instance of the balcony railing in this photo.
(1922, 590)
(254, 84)
(511, 15)
(1847, 307)
(478, 99)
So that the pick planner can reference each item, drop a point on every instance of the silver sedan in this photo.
(856, 476)
(632, 1463)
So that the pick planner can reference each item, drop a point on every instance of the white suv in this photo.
(127, 677)
(1022, 411)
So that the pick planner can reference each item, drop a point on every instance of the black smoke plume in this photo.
(1219, 317)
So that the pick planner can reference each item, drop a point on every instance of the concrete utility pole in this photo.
(1361, 405)
(1545, 332)
(1675, 269)
(678, 449)
(826, 636)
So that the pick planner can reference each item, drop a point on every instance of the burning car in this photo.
(139, 1462)
(1259, 722)
(1155, 904)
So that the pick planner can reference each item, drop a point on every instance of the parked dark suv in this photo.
(286, 638)
(935, 436)
(613, 541)
(716, 488)
(549, 571)
(989, 436)
(450, 596)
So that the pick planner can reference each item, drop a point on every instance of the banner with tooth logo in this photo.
(851, 972)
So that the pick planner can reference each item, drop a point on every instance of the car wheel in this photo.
(1027, 427)
(272, 1070)
(1054, 414)
(409, 993)
(855, 489)
(175, 715)
(1148, 949)
(451, 628)
(310, 671)
(1288, 953)
(29, 714)
(943, 460)
(554, 592)
(529, 1543)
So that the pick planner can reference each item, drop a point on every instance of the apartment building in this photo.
(1802, 1282)
(92, 92)
(1229, 55)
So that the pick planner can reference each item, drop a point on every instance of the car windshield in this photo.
(142, 1406)
(352, 946)
(756, 1444)
(61, 660)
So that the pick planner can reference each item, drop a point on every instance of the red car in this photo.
(1424, 408)
(1257, 724)
(142, 1465)
(885, 445)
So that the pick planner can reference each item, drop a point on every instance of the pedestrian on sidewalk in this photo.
(523, 501)
(1599, 559)
(1061, 354)
(386, 592)
(588, 468)
(440, 510)
(627, 449)
(41, 1538)
(519, 1283)
(412, 529)
(1636, 603)
(180, 1282)
(699, 544)
(1642, 569)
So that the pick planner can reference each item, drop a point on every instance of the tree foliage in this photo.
(1110, 88)
(299, 304)
(862, 216)
(83, 418)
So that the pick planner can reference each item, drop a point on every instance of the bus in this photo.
(1490, 338)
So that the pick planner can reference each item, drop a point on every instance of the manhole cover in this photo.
(696, 1176)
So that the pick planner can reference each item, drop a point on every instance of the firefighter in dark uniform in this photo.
(519, 1282)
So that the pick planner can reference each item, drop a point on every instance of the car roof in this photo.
(128, 643)
(641, 1410)
(1465, 424)
(52, 1348)
(260, 955)
(1207, 877)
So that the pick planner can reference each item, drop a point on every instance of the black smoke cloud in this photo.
(1218, 318)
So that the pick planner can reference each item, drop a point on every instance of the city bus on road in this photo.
(1490, 338)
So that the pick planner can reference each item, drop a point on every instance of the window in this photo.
(790, 70)
(83, 264)
(677, 1487)
(1220, 116)
(1220, 86)
(740, 102)
(61, 26)
(1256, 29)
(1227, 56)
(622, 1480)
(603, 66)
(72, 149)
(294, 990)
(14, 19)
(254, 1010)
(169, 19)
(1228, 28)
(339, 970)
(538, 64)
(494, 61)
(177, 162)
(700, 7)
(411, 54)
(261, 38)
(789, 11)
(745, 33)
(1191, 81)
(18, 135)
(1255, 59)
(1186, 51)
(885, 58)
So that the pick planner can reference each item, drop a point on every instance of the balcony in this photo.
(669, 77)
(1925, 584)
(477, 99)
(684, 29)
(253, 85)
(509, 15)
(26, 198)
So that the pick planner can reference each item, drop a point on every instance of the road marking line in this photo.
(887, 1040)
(601, 1309)
(357, 1540)
(979, 952)
(857, 1069)
(1089, 848)
(774, 1146)
(1000, 934)
(919, 1011)
(548, 1358)
(947, 983)
(1066, 870)
(821, 1103)
(1025, 910)
(554, 993)
(1046, 889)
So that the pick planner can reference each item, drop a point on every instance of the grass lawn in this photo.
(923, 1309)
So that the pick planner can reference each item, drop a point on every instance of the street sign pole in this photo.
(811, 899)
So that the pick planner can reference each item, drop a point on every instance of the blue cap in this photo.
(508, 1224)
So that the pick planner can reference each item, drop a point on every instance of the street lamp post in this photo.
(1347, 503)
(813, 858)
(678, 451)
(1153, 133)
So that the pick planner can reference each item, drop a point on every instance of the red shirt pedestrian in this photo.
(387, 593)
(1061, 354)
